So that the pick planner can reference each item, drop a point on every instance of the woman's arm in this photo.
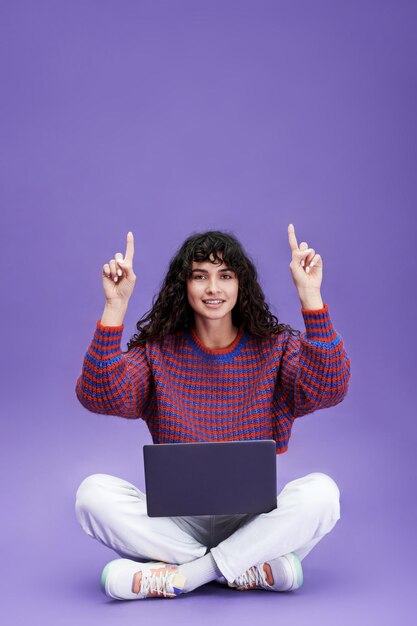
(113, 383)
(315, 368)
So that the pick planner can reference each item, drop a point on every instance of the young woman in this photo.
(211, 363)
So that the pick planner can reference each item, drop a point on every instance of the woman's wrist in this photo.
(113, 314)
(311, 301)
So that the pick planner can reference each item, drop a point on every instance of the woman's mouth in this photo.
(213, 303)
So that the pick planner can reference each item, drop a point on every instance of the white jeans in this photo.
(113, 511)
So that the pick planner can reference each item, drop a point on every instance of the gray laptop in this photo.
(210, 478)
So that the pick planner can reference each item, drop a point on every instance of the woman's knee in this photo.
(324, 492)
(92, 494)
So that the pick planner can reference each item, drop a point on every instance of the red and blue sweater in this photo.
(186, 392)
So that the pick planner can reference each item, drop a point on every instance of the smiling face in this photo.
(212, 290)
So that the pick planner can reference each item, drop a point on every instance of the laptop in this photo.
(220, 478)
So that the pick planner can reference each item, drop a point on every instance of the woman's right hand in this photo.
(118, 276)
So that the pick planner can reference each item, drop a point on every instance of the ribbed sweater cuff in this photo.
(110, 329)
(106, 341)
(318, 325)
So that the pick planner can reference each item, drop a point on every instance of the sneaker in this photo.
(260, 576)
(123, 579)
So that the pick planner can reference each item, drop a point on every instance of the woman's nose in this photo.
(212, 286)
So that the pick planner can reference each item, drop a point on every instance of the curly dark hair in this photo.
(171, 310)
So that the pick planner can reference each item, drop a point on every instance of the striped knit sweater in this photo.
(185, 392)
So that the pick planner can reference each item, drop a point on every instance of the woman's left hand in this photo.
(306, 270)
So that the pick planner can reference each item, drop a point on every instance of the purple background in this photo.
(167, 118)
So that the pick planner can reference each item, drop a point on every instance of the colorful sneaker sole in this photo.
(297, 570)
(103, 578)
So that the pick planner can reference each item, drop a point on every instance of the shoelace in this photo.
(253, 577)
(159, 582)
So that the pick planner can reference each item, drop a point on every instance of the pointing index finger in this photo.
(292, 239)
(130, 247)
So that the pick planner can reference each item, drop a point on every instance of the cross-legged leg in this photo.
(307, 509)
(113, 511)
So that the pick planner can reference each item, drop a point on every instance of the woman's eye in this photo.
(198, 276)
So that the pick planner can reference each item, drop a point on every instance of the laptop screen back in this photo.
(218, 478)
